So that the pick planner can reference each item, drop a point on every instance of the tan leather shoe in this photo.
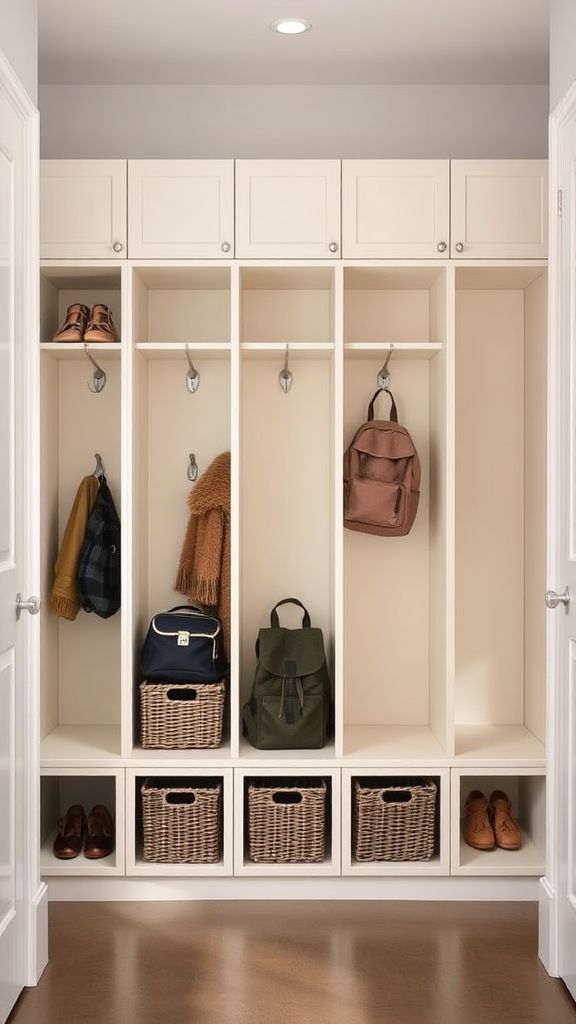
(100, 837)
(101, 325)
(70, 838)
(74, 325)
(477, 828)
(506, 830)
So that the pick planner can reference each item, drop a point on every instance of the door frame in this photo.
(27, 424)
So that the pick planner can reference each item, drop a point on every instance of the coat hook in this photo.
(98, 377)
(192, 375)
(192, 468)
(383, 377)
(285, 377)
(99, 471)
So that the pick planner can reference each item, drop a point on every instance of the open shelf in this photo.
(296, 350)
(59, 789)
(529, 860)
(80, 744)
(397, 305)
(286, 304)
(177, 350)
(400, 349)
(498, 743)
(77, 350)
(408, 743)
(181, 758)
(174, 304)
(303, 757)
(61, 286)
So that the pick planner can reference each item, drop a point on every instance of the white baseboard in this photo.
(37, 935)
(548, 927)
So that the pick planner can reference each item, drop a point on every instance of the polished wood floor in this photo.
(294, 963)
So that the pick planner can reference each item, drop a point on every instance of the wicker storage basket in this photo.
(394, 819)
(287, 822)
(181, 824)
(179, 716)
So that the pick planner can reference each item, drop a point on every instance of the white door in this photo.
(83, 209)
(499, 209)
(395, 209)
(287, 209)
(16, 638)
(181, 209)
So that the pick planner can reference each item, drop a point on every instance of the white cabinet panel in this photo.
(83, 209)
(499, 209)
(181, 209)
(288, 208)
(395, 209)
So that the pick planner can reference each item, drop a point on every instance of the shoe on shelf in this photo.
(100, 833)
(506, 830)
(100, 325)
(74, 326)
(71, 829)
(477, 828)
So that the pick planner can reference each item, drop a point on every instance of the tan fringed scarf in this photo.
(64, 597)
(204, 572)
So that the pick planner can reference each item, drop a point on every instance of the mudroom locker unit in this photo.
(435, 641)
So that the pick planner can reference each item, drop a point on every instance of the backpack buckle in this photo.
(183, 638)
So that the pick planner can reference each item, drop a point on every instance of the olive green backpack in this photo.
(291, 703)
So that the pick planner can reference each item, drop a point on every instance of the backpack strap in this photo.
(393, 409)
(274, 620)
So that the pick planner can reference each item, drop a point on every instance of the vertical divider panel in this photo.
(235, 385)
(127, 435)
(338, 497)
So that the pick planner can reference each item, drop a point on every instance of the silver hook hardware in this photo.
(98, 377)
(285, 376)
(192, 471)
(99, 471)
(383, 377)
(192, 375)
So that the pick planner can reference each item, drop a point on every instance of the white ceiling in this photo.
(352, 41)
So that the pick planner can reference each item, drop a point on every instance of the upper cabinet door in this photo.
(499, 209)
(395, 209)
(83, 209)
(288, 208)
(181, 209)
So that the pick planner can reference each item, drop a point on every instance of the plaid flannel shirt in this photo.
(99, 567)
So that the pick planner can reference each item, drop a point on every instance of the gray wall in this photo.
(294, 121)
(19, 40)
(562, 48)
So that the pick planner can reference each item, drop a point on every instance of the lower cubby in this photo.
(526, 789)
(61, 788)
(287, 823)
(430, 814)
(177, 813)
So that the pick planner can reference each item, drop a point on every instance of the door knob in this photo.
(32, 605)
(553, 599)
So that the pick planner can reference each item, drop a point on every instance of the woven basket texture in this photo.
(385, 829)
(181, 833)
(172, 724)
(287, 833)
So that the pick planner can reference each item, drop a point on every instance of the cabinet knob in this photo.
(441, 246)
(117, 246)
(459, 246)
(225, 246)
(333, 246)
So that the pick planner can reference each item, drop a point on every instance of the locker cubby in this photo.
(135, 863)
(63, 285)
(394, 305)
(179, 304)
(280, 305)
(500, 492)
(169, 424)
(439, 864)
(286, 777)
(59, 790)
(526, 789)
(81, 660)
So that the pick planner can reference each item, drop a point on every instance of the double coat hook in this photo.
(192, 375)
(98, 377)
(383, 376)
(285, 376)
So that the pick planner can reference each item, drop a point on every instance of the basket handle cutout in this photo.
(287, 797)
(397, 796)
(180, 693)
(180, 798)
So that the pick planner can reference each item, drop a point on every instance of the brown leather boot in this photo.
(100, 837)
(101, 325)
(75, 324)
(477, 827)
(506, 830)
(70, 838)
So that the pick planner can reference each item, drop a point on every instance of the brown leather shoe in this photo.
(71, 829)
(506, 830)
(101, 325)
(74, 326)
(100, 837)
(477, 828)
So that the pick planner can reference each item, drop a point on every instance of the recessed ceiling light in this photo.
(290, 26)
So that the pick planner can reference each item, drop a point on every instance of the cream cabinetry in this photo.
(395, 209)
(288, 208)
(83, 209)
(499, 209)
(181, 209)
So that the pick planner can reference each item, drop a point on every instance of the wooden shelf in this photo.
(180, 758)
(75, 349)
(296, 350)
(401, 350)
(413, 744)
(406, 868)
(528, 860)
(250, 755)
(78, 745)
(498, 744)
(144, 868)
(177, 349)
(51, 865)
